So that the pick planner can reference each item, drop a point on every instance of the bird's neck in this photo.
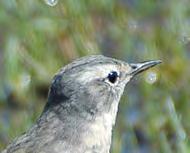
(95, 132)
(99, 133)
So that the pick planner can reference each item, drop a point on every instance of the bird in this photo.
(81, 107)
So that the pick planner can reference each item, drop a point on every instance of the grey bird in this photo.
(81, 108)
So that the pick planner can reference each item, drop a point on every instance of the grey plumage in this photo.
(81, 108)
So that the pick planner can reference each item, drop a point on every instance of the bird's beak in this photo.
(140, 67)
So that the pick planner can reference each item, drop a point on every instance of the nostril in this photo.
(133, 66)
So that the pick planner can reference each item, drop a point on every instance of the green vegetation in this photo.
(36, 40)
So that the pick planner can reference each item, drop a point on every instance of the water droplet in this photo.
(151, 77)
(51, 2)
(182, 134)
(184, 39)
(25, 80)
(132, 24)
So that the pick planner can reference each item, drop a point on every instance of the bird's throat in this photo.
(99, 132)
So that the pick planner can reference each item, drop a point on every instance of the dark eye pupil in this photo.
(112, 76)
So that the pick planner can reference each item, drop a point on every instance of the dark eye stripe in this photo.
(112, 76)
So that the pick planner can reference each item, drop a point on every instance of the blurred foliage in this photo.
(37, 39)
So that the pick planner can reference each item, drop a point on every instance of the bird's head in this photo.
(93, 84)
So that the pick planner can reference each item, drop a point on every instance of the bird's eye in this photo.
(113, 76)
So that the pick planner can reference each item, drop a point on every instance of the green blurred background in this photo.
(37, 39)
